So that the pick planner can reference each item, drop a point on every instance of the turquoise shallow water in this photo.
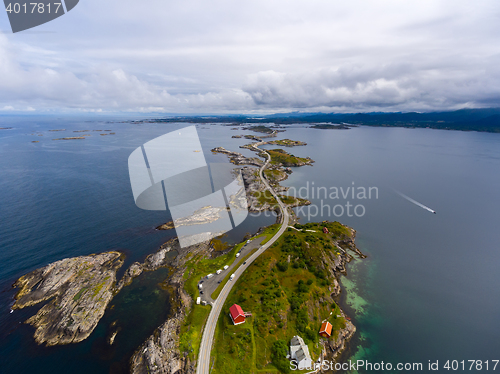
(427, 291)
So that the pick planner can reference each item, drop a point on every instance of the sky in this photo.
(258, 56)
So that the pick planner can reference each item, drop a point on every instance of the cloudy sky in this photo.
(257, 56)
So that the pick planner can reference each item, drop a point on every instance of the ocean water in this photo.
(429, 287)
(427, 291)
(66, 198)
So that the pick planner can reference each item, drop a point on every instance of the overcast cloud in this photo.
(221, 56)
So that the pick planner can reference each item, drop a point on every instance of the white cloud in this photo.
(198, 56)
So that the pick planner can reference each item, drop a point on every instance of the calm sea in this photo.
(429, 288)
(427, 291)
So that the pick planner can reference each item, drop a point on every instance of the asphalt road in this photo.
(203, 366)
(209, 285)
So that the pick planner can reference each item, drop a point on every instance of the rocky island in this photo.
(287, 142)
(329, 126)
(78, 290)
(70, 137)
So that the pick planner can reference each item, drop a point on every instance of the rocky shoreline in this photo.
(78, 290)
(333, 348)
(160, 353)
(237, 158)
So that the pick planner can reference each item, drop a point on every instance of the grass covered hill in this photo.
(281, 157)
(289, 290)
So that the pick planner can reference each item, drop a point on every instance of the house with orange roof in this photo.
(326, 329)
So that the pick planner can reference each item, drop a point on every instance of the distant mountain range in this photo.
(485, 120)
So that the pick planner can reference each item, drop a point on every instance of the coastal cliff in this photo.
(78, 289)
(161, 353)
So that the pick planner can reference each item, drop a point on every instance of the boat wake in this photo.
(415, 202)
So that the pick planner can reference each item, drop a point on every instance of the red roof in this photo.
(236, 311)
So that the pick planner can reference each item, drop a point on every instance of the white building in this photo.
(300, 353)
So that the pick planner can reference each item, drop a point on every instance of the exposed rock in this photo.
(284, 159)
(254, 188)
(69, 138)
(252, 137)
(160, 353)
(166, 226)
(287, 142)
(133, 271)
(253, 184)
(201, 216)
(237, 158)
(349, 242)
(275, 175)
(156, 260)
(112, 337)
(334, 347)
(79, 289)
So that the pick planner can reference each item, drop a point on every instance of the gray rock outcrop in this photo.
(78, 290)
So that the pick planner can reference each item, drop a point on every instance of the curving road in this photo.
(203, 366)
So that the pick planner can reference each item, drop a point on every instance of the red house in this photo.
(325, 230)
(237, 314)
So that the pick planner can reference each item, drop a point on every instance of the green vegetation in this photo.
(286, 290)
(192, 329)
(264, 197)
(217, 291)
(274, 175)
(279, 351)
(238, 353)
(99, 287)
(287, 142)
(80, 293)
(279, 156)
(198, 267)
(330, 127)
(270, 231)
(294, 201)
(218, 244)
(262, 129)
